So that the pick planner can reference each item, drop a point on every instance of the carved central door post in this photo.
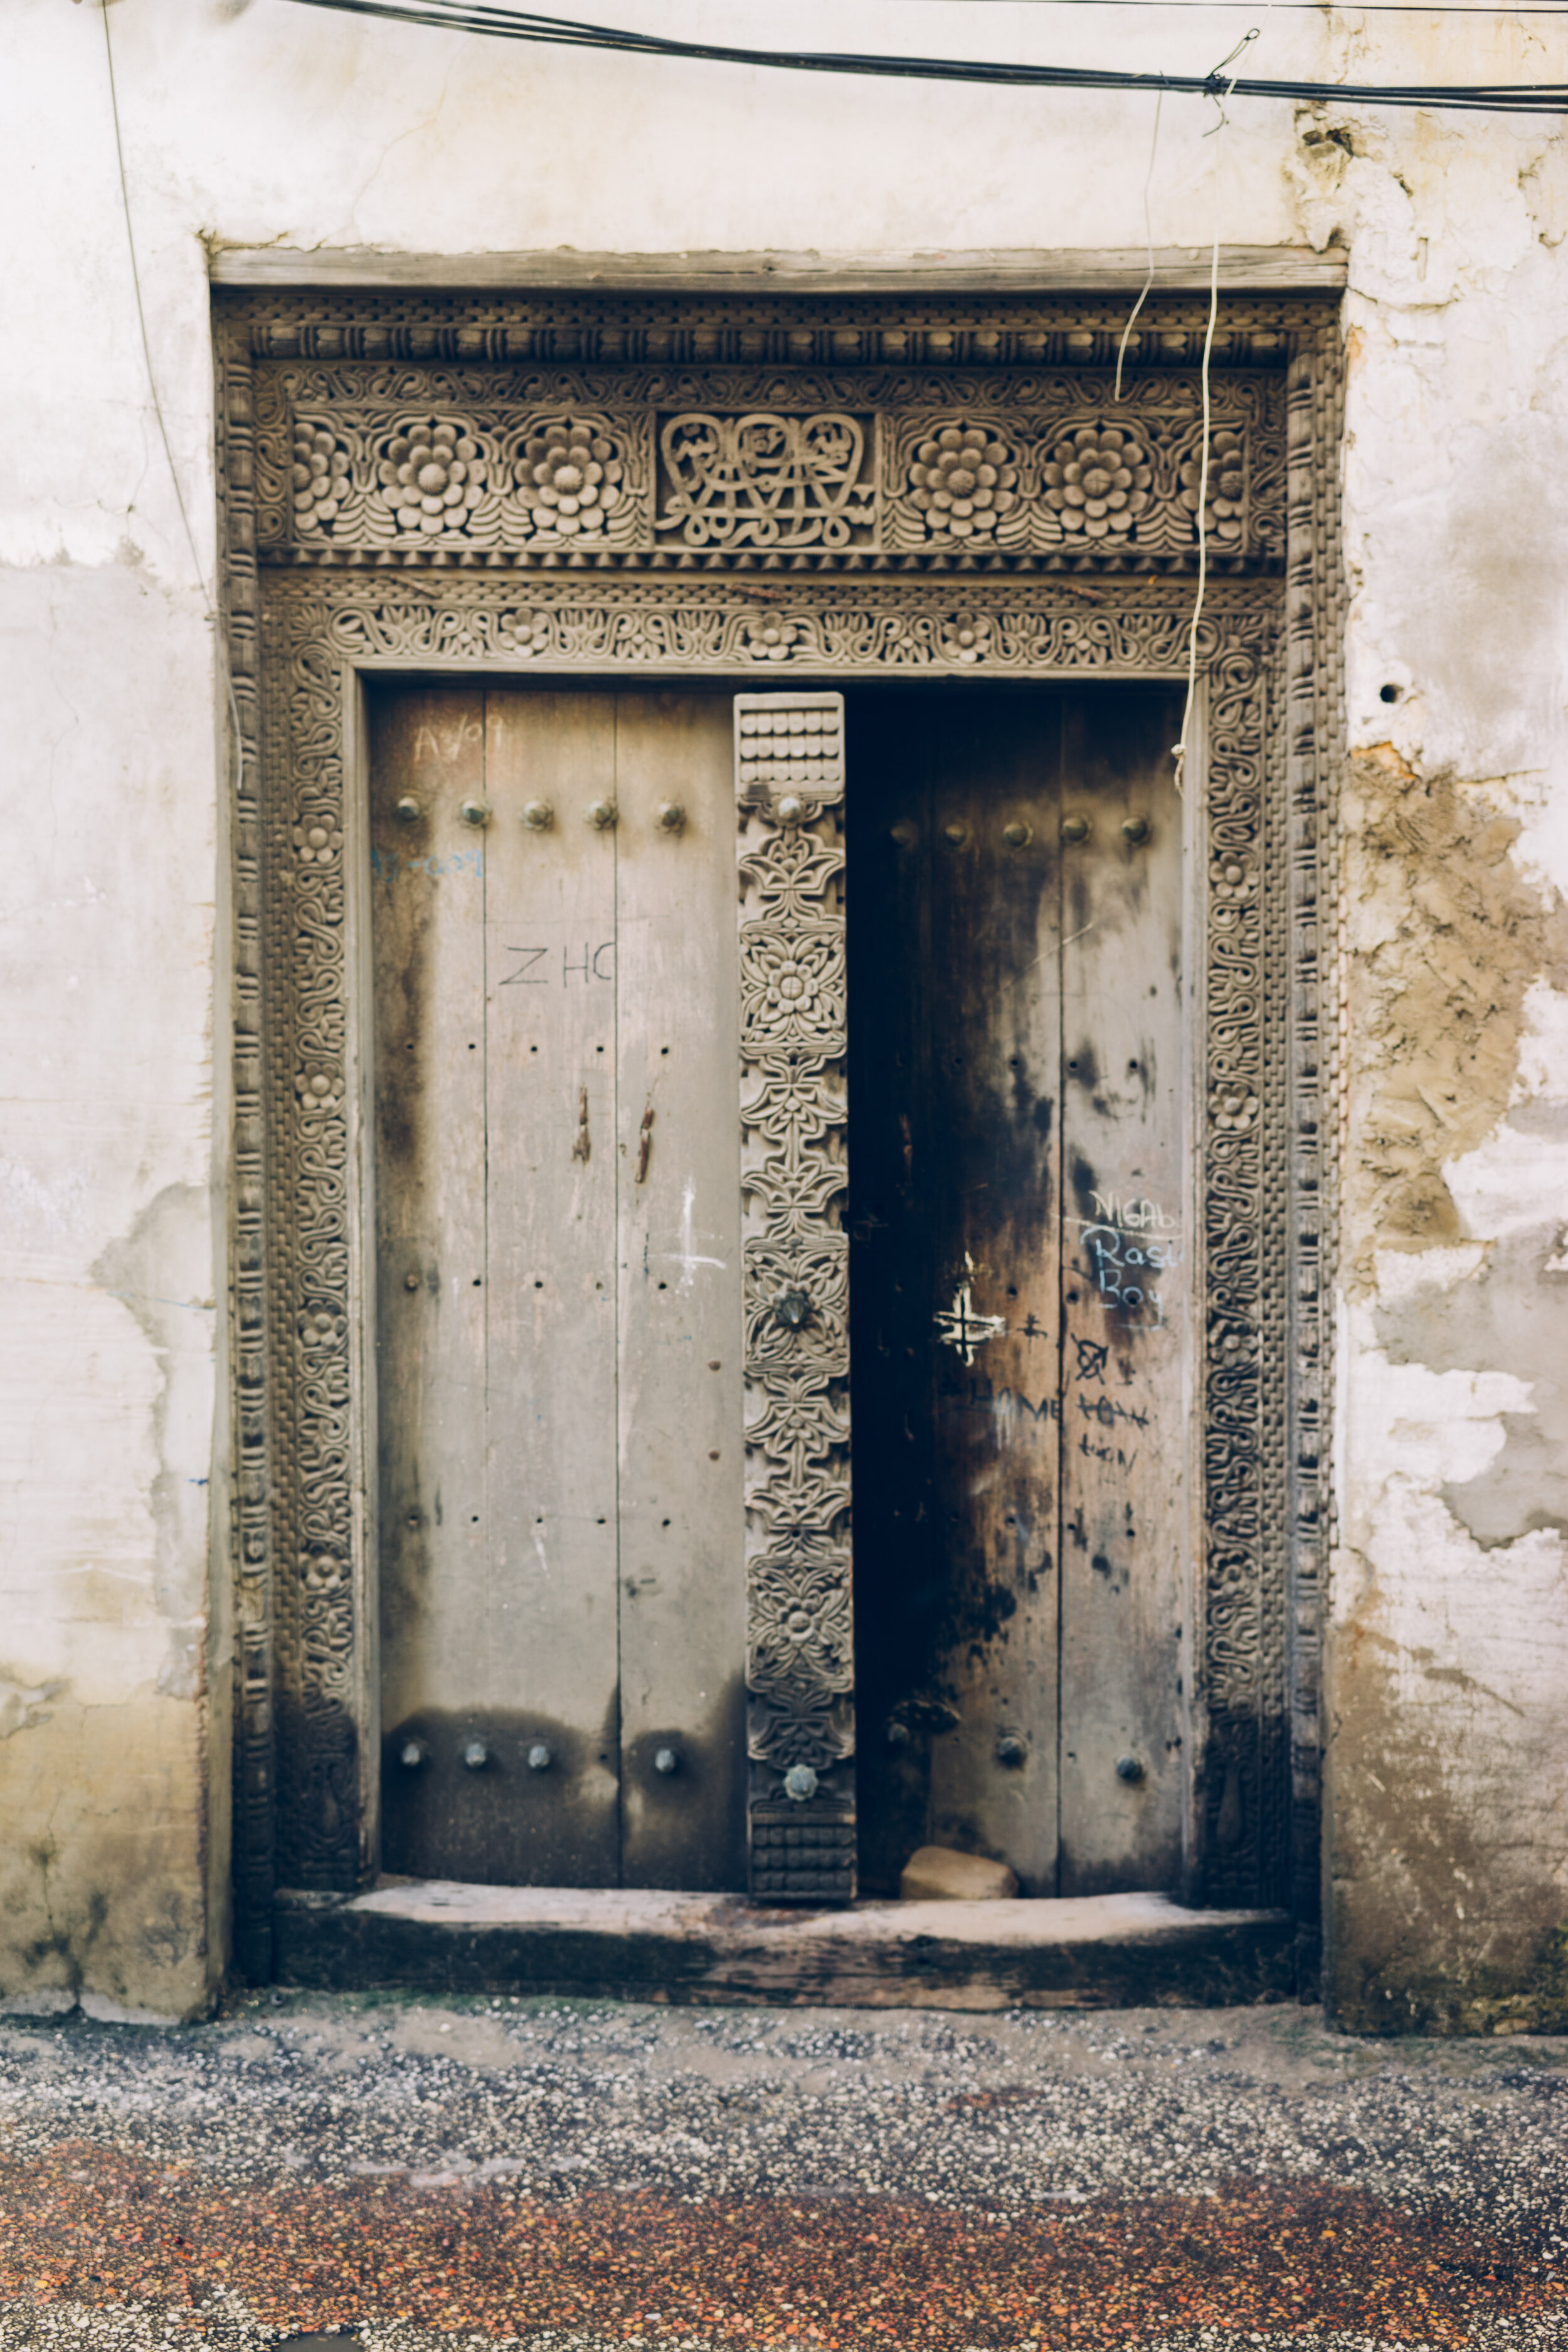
(800, 1648)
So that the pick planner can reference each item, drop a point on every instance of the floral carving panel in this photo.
(428, 481)
(1089, 483)
(789, 769)
(831, 467)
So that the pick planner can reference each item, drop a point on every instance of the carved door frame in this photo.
(766, 510)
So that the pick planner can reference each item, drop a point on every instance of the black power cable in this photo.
(521, 25)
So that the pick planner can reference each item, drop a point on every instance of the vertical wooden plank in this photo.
(901, 1552)
(955, 1057)
(678, 1161)
(1126, 1295)
(547, 1662)
(428, 933)
(995, 1185)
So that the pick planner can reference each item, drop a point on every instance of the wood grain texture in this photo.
(714, 1949)
(551, 1187)
(1108, 269)
(682, 1609)
(555, 1080)
(1017, 1050)
(1125, 1297)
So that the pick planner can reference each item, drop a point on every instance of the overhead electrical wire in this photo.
(563, 32)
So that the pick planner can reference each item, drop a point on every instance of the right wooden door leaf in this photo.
(1020, 1285)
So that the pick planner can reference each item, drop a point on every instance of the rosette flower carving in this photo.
(524, 634)
(570, 477)
(1234, 1107)
(430, 477)
(793, 985)
(321, 476)
(966, 637)
(1224, 514)
(963, 481)
(770, 639)
(317, 843)
(319, 1090)
(1097, 480)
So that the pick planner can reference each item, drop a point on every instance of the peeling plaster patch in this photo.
(1449, 943)
(1406, 1422)
(21, 1708)
(161, 1268)
(1511, 1312)
(1403, 1274)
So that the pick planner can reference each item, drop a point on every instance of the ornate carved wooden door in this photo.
(1019, 1279)
(558, 1286)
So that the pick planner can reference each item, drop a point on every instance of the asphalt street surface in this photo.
(572, 2176)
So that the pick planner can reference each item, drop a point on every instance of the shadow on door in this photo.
(1019, 1279)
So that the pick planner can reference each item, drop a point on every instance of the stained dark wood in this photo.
(996, 971)
(715, 1950)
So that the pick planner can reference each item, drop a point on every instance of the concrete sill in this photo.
(1102, 1951)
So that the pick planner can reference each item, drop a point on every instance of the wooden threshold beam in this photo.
(1098, 1952)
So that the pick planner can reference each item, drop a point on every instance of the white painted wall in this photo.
(269, 123)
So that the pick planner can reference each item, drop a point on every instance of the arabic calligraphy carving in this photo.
(765, 480)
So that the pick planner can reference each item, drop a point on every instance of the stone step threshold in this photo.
(1092, 1952)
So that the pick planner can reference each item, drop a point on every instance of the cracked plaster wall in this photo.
(249, 121)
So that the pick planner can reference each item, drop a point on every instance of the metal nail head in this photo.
(537, 816)
(667, 1761)
(1075, 828)
(790, 810)
(539, 1757)
(1136, 828)
(408, 810)
(955, 835)
(790, 1309)
(411, 1754)
(1017, 834)
(671, 817)
(476, 812)
(1011, 1750)
(1130, 1767)
(800, 1784)
(601, 815)
(476, 1754)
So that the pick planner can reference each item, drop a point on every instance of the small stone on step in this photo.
(936, 1874)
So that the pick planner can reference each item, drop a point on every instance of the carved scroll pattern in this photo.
(254, 1759)
(789, 772)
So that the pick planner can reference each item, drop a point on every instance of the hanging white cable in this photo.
(209, 605)
(1149, 241)
(1179, 750)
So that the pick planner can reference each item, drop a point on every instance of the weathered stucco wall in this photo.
(268, 123)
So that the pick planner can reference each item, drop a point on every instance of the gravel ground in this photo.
(574, 2177)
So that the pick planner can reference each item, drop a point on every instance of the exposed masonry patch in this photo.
(1446, 938)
